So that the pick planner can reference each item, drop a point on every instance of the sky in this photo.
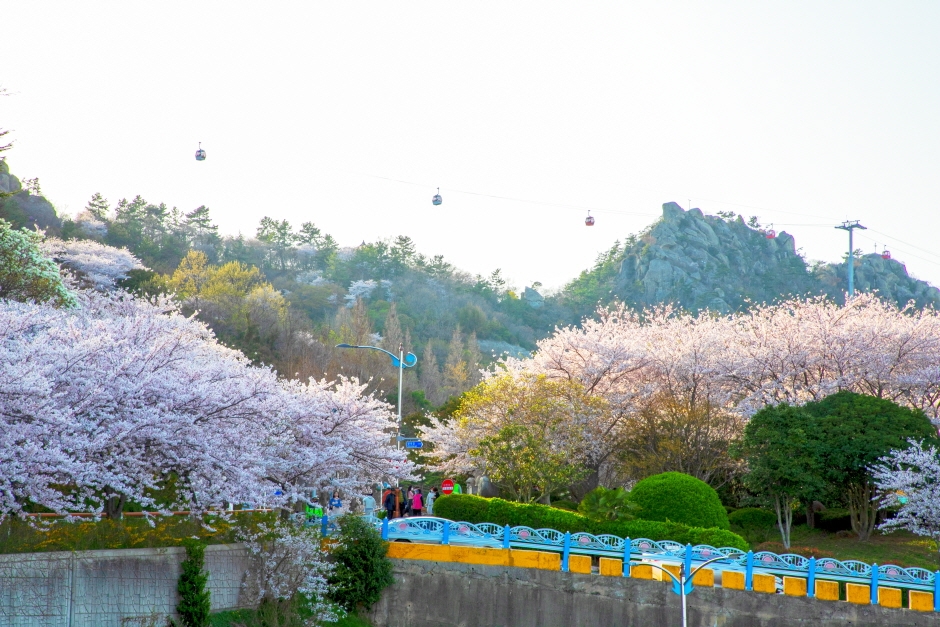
(527, 115)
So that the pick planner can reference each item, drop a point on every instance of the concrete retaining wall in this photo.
(116, 588)
(439, 594)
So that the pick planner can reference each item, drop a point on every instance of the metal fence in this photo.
(434, 530)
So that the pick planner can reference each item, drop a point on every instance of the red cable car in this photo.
(589, 220)
(436, 199)
(770, 233)
(886, 254)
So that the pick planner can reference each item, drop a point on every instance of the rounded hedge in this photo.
(679, 498)
(474, 509)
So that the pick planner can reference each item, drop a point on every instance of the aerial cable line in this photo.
(634, 213)
(514, 199)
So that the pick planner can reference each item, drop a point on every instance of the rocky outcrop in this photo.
(888, 277)
(707, 262)
(22, 209)
(9, 184)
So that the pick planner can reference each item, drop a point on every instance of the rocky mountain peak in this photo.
(718, 263)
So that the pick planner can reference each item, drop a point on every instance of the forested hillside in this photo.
(287, 294)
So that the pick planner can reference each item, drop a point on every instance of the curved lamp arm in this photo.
(410, 358)
(687, 588)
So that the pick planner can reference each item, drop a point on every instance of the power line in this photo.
(514, 199)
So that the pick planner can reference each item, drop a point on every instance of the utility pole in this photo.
(850, 225)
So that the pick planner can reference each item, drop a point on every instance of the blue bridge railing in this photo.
(434, 530)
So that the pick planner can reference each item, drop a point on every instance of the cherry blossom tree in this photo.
(910, 478)
(796, 351)
(100, 265)
(118, 397)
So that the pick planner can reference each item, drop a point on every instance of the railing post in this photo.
(385, 527)
(324, 525)
(566, 552)
(506, 534)
(811, 579)
(445, 536)
(936, 591)
(874, 584)
(627, 550)
(688, 561)
(749, 572)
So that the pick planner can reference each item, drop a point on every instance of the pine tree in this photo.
(98, 206)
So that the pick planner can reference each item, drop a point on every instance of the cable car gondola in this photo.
(770, 233)
(886, 254)
(589, 220)
(436, 199)
(200, 154)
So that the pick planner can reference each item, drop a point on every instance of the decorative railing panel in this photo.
(439, 530)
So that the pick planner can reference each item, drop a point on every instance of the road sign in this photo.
(447, 486)
(414, 444)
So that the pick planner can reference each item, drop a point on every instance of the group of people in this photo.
(411, 503)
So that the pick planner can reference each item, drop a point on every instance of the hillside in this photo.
(288, 294)
(721, 263)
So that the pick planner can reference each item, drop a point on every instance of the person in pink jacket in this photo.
(417, 503)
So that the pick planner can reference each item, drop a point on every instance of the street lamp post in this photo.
(682, 585)
(399, 362)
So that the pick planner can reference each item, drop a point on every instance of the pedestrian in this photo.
(432, 496)
(335, 503)
(408, 498)
(417, 503)
(390, 503)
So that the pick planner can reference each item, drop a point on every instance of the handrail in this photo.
(435, 530)
(154, 514)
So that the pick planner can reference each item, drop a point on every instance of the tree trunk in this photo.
(580, 489)
(863, 509)
(784, 508)
(810, 516)
(114, 506)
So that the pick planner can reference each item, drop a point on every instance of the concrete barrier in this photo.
(119, 588)
(434, 594)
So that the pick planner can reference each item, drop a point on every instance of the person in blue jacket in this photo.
(335, 502)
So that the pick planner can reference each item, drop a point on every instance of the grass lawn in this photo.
(237, 618)
(901, 548)
(18, 536)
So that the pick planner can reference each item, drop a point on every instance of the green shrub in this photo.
(194, 605)
(503, 512)
(717, 538)
(363, 569)
(604, 504)
(752, 518)
(833, 520)
(571, 506)
(460, 507)
(756, 525)
(681, 498)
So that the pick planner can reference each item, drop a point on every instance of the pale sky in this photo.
(526, 114)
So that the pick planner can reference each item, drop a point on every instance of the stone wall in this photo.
(439, 594)
(109, 588)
